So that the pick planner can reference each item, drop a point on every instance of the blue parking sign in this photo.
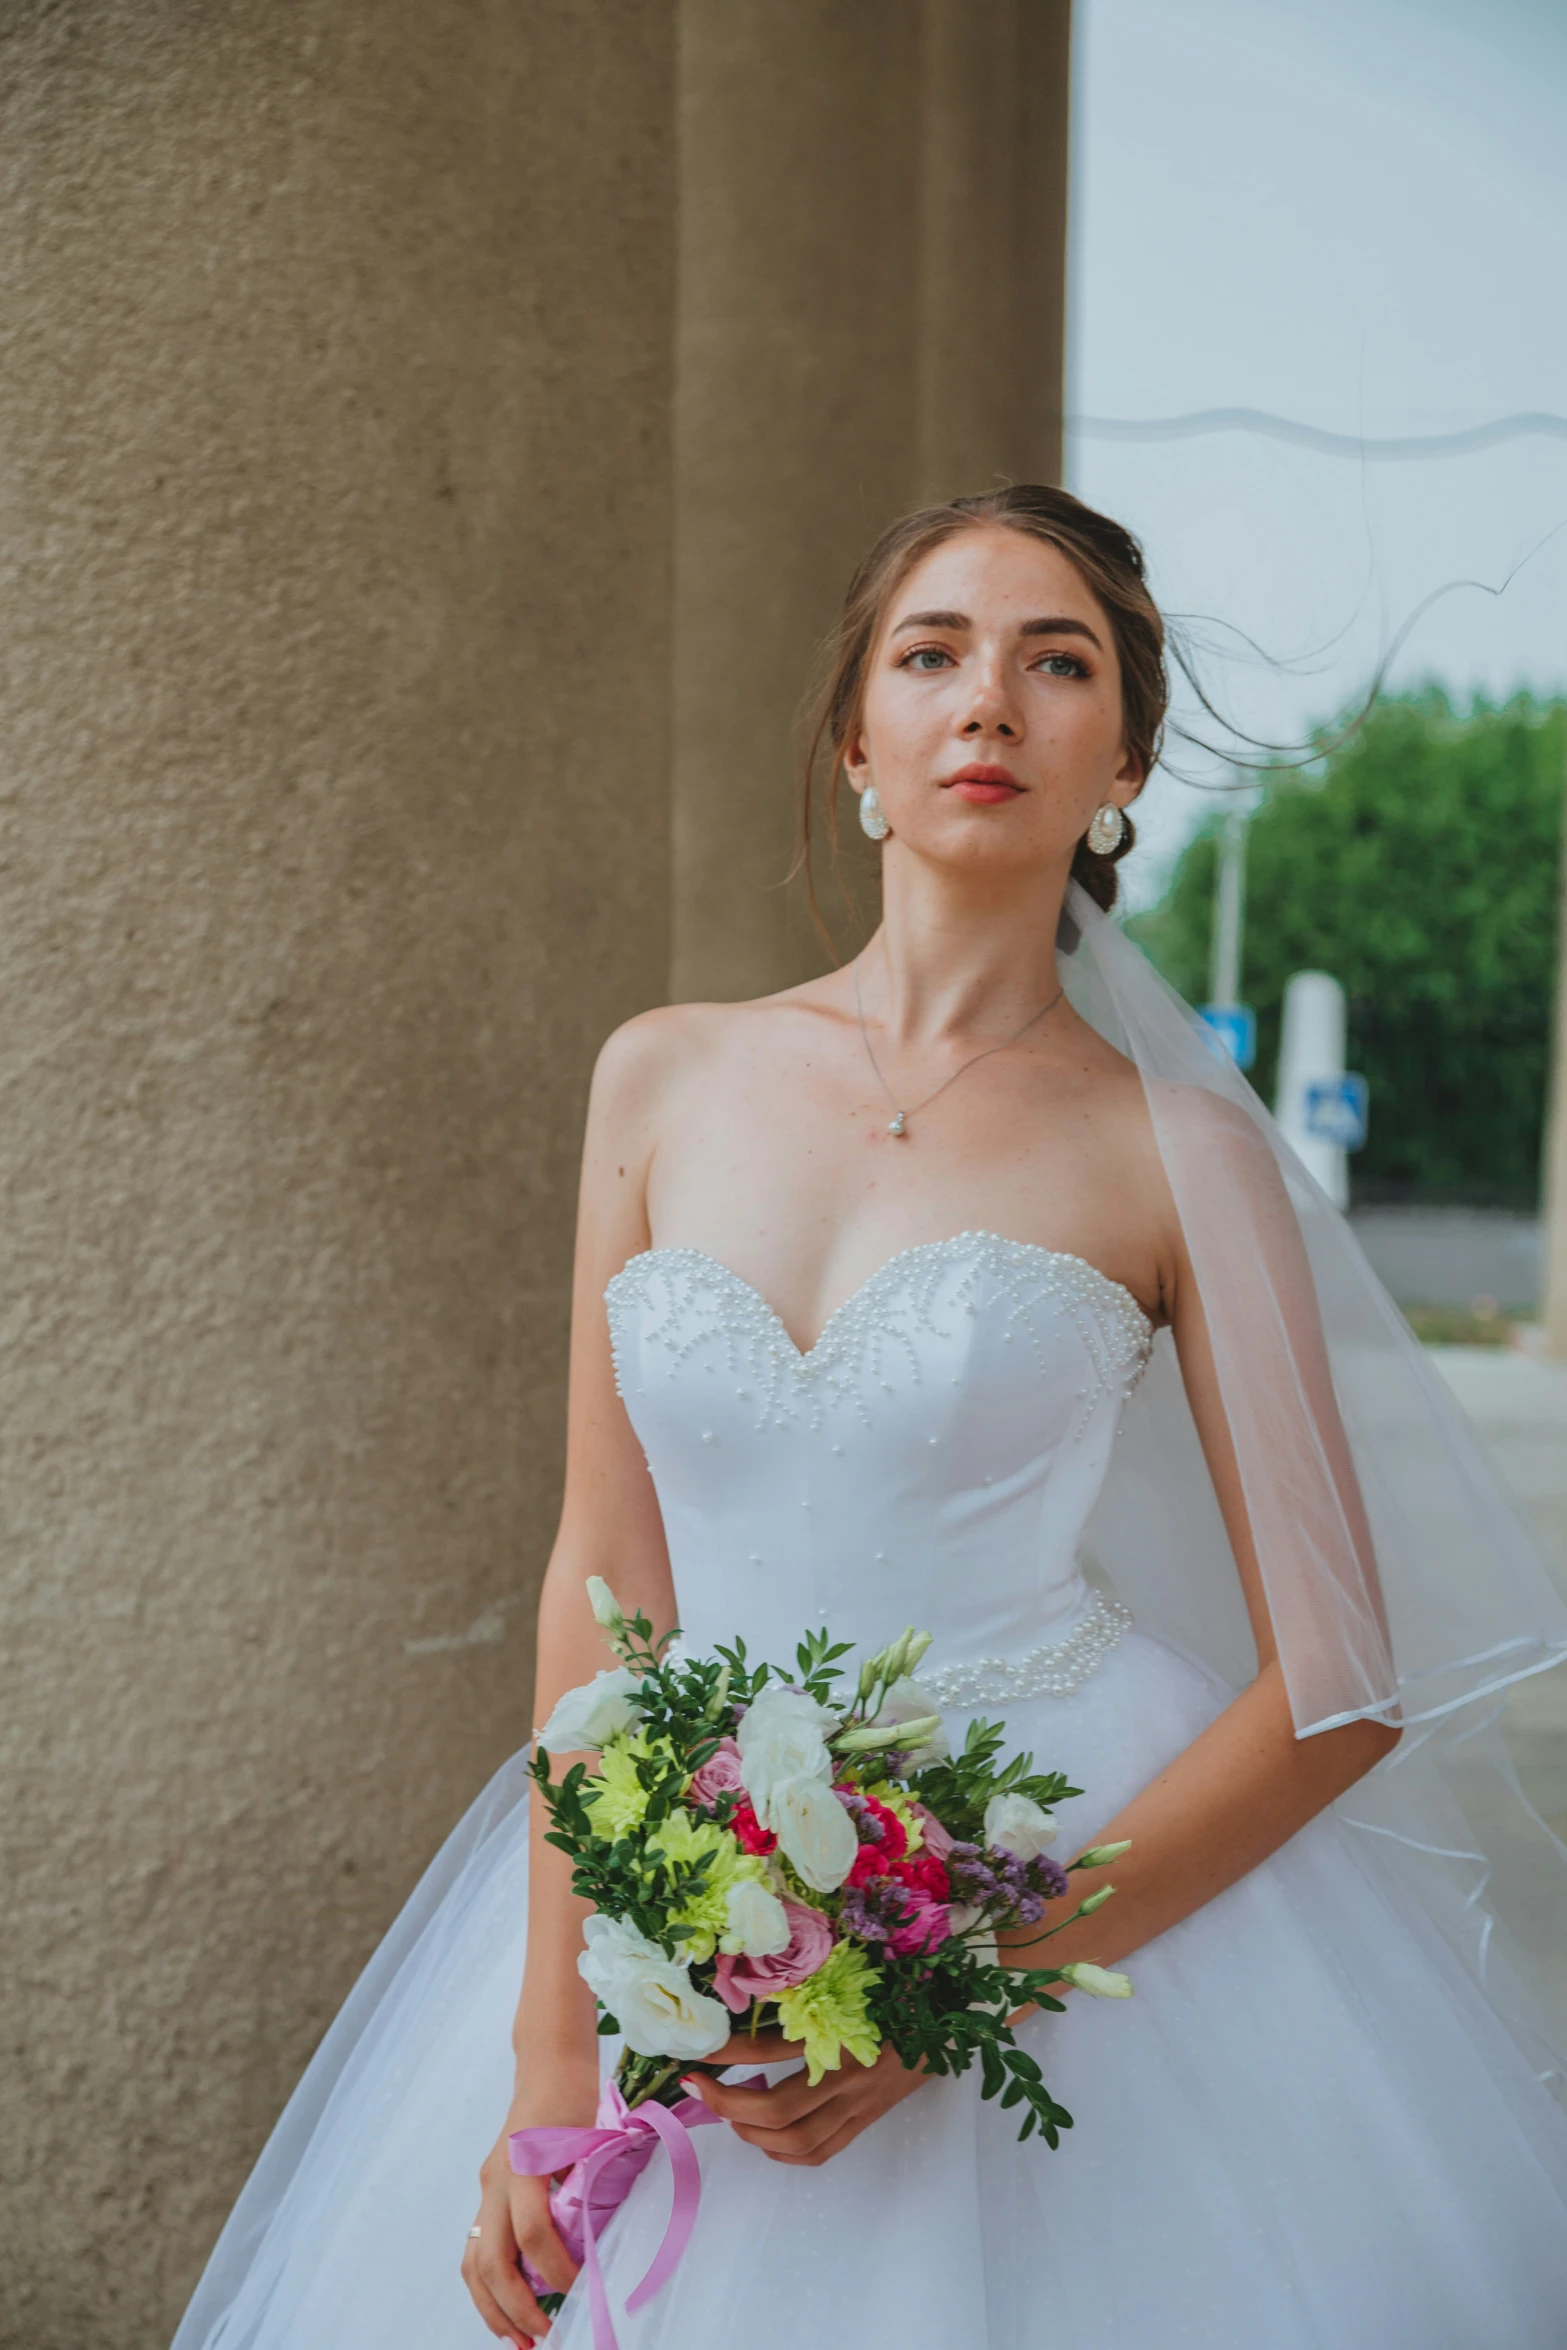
(1336, 1111)
(1236, 1027)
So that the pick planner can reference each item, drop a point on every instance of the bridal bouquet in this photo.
(766, 1848)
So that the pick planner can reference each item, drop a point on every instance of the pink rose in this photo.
(720, 1775)
(740, 1980)
(926, 1925)
(936, 1838)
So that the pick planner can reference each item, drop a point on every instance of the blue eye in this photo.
(1062, 665)
(927, 658)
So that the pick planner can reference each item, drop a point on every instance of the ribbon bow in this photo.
(604, 2162)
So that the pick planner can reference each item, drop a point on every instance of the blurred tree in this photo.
(1418, 865)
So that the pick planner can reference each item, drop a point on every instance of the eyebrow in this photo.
(1056, 624)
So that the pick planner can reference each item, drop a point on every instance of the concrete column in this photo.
(334, 676)
(873, 205)
(996, 86)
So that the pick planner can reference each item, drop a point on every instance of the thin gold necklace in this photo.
(898, 1124)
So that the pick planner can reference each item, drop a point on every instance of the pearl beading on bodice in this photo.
(1054, 1669)
(885, 1318)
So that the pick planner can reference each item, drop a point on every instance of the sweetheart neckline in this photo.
(804, 1355)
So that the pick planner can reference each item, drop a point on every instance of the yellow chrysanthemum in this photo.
(683, 1841)
(827, 2012)
(615, 1796)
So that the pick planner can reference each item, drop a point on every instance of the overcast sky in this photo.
(1354, 214)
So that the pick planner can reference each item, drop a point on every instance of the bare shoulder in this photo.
(657, 1048)
(637, 1060)
(652, 1063)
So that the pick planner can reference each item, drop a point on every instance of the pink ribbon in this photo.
(604, 2162)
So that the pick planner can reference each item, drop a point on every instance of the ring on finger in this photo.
(475, 2232)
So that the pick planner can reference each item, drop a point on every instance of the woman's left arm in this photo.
(1247, 1784)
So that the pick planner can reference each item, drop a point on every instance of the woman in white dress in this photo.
(886, 1259)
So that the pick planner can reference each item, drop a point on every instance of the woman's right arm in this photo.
(610, 1526)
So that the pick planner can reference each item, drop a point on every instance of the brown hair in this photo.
(1110, 561)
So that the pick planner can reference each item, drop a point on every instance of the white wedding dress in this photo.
(1306, 2131)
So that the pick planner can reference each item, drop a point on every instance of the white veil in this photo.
(1400, 1582)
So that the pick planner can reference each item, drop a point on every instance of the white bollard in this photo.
(1311, 1052)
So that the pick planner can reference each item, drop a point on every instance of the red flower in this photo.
(894, 1840)
(923, 1874)
(868, 1863)
(749, 1832)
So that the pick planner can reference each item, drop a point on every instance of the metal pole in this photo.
(1229, 911)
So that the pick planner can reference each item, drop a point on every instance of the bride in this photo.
(909, 1295)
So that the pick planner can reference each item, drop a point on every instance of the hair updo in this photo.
(1110, 561)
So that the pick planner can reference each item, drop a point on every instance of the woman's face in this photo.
(992, 725)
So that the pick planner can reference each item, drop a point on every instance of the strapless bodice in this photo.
(931, 1460)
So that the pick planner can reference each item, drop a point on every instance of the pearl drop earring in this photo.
(873, 823)
(1104, 833)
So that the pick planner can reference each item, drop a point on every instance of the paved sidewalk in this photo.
(1519, 1406)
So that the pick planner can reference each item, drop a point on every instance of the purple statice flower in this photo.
(875, 1909)
(1011, 1874)
(971, 1875)
(867, 1826)
(1048, 1877)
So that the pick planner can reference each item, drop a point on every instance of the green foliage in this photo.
(946, 2011)
(957, 1791)
(1417, 865)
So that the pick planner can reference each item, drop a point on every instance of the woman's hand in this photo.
(794, 2122)
(514, 2218)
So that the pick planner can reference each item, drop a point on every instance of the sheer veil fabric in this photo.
(1400, 1582)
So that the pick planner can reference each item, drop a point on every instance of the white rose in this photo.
(587, 1717)
(814, 1832)
(758, 1922)
(651, 1997)
(1018, 1825)
(1104, 1982)
(906, 1701)
(780, 1738)
(776, 1707)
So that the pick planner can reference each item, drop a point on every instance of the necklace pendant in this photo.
(896, 1126)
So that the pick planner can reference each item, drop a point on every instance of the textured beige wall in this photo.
(873, 217)
(335, 349)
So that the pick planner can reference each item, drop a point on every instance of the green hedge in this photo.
(1418, 865)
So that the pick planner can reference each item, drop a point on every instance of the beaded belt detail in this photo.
(1052, 1671)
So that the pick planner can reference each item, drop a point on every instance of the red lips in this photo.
(983, 786)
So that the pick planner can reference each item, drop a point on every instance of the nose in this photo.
(992, 710)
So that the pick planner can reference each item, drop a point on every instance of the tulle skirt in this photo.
(1307, 2131)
